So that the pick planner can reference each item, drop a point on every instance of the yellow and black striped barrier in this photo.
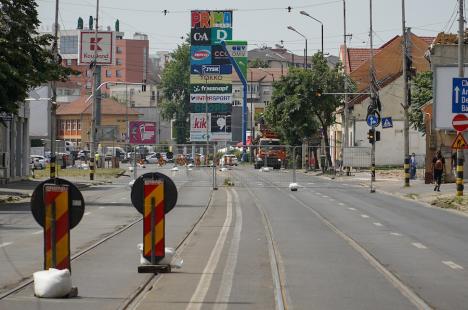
(52, 167)
(459, 181)
(407, 171)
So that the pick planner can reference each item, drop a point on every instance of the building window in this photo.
(266, 102)
(78, 125)
(119, 61)
(69, 62)
(88, 85)
(68, 128)
(118, 73)
(68, 45)
(89, 73)
(119, 50)
(74, 125)
(108, 73)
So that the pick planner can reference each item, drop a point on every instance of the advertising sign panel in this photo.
(198, 122)
(211, 69)
(213, 98)
(212, 107)
(220, 122)
(103, 47)
(219, 55)
(238, 51)
(211, 89)
(220, 34)
(200, 55)
(210, 79)
(142, 132)
(200, 36)
(211, 19)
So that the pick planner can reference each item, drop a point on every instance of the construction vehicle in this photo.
(269, 151)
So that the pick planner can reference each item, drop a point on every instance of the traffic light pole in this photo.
(461, 73)
(372, 189)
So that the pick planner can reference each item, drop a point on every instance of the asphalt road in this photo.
(259, 246)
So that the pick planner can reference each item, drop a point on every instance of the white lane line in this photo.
(37, 232)
(101, 207)
(123, 198)
(452, 265)
(364, 216)
(87, 213)
(199, 295)
(224, 293)
(378, 224)
(395, 234)
(4, 244)
(310, 183)
(331, 199)
(352, 209)
(419, 245)
(341, 204)
(324, 196)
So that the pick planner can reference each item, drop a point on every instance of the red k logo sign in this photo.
(94, 44)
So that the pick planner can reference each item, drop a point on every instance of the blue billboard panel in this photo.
(200, 55)
(211, 69)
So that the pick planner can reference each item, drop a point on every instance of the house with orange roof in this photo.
(389, 75)
(74, 120)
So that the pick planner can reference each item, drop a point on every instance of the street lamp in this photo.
(307, 14)
(305, 51)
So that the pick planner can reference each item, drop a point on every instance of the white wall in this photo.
(39, 124)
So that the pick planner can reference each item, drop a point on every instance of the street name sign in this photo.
(460, 122)
(460, 95)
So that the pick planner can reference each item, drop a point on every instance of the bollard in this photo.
(56, 227)
(460, 185)
(91, 168)
(407, 171)
(52, 167)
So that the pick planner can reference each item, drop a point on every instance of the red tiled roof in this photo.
(262, 75)
(428, 40)
(108, 107)
(357, 56)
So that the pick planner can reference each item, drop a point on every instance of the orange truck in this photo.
(269, 151)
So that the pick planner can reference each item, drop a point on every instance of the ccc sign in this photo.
(219, 55)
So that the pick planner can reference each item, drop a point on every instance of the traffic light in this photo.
(370, 136)
(377, 135)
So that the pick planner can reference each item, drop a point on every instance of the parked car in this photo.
(228, 160)
(83, 155)
(38, 161)
(153, 158)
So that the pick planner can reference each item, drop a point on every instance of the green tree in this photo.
(258, 63)
(175, 83)
(299, 106)
(420, 95)
(26, 60)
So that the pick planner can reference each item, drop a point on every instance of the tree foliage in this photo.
(258, 63)
(299, 107)
(175, 83)
(420, 95)
(26, 59)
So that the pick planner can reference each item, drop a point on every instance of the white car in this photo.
(38, 161)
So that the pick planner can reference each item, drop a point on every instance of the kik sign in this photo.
(460, 95)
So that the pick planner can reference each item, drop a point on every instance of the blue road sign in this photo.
(372, 120)
(387, 122)
(460, 95)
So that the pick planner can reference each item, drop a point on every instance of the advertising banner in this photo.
(198, 122)
(211, 69)
(200, 36)
(210, 79)
(211, 89)
(238, 51)
(220, 122)
(213, 98)
(212, 107)
(200, 55)
(103, 47)
(220, 34)
(142, 132)
(219, 55)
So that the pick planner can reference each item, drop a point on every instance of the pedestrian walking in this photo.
(438, 167)
(413, 166)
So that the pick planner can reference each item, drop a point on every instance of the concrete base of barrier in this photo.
(154, 269)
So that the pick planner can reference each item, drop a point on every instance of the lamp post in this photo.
(308, 15)
(305, 51)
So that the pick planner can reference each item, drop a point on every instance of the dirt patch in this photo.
(450, 202)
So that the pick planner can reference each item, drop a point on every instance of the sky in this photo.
(262, 22)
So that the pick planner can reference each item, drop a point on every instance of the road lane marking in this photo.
(101, 207)
(87, 213)
(37, 232)
(397, 283)
(341, 204)
(364, 216)
(224, 293)
(331, 199)
(378, 224)
(419, 245)
(203, 286)
(395, 234)
(2, 245)
(324, 196)
(352, 209)
(452, 265)
(123, 198)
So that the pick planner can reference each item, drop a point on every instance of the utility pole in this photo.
(206, 119)
(53, 103)
(96, 93)
(461, 73)
(344, 138)
(405, 97)
(372, 96)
